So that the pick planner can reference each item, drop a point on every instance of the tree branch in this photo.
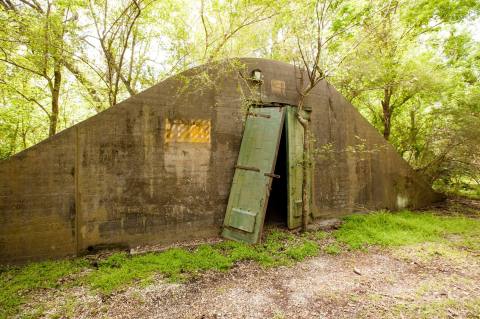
(204, 24)
(34, 5)
(245, 23)
(8, 5)
(30, 99)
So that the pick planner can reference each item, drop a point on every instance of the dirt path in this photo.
(428, 280)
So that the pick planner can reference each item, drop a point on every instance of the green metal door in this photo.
(253, 175)
(294, 167)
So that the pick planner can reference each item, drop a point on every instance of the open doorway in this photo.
(277, 207)
(272, 137)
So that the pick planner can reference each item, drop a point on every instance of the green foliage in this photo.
(403, 228)
(415, 78)
(119, 269)
(424, 11)
(460, 186)
(16, 282)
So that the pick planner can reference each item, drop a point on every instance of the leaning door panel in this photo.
(294, 134)
(252, 179)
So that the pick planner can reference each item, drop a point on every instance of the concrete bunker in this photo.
(162, 166)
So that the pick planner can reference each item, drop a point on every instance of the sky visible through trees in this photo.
(411, 67)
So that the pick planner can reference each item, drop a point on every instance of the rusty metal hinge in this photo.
(272, 175)
(248, 168)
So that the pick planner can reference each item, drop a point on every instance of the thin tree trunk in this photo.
(57, 81)
(24, 139)
(413, 137)
(387, 112)
(305, 175)
(304, 120)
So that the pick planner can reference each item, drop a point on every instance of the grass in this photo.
(333, 249)
(402, 228)
(120, 270)
(16, 282)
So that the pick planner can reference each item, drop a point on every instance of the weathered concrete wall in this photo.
(128, 176)
(37, 201)
(135, 188)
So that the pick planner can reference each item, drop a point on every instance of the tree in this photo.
(407, 79)
(451, 142)
(386, 68)
(34, 43)
(117, 33)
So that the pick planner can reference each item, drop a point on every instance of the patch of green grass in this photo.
(36, 313)
(16, 282)
(333, 249)
(120, 269)
(240, 252)
(402, 228)
(303, 250)
(278, 315)
(431, 251)
(470, 243)
(319, 235)
(67, 310)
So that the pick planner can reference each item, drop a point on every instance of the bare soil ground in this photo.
(429, 280)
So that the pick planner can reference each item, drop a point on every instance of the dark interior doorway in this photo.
(276, 214)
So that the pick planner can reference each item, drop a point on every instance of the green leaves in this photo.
(411, 75)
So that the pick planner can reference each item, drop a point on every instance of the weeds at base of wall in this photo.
(280, 248)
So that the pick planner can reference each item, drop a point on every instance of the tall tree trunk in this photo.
(57, 81)
(412, 139)
(387, 112)
(304, 119)
(305, 176)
